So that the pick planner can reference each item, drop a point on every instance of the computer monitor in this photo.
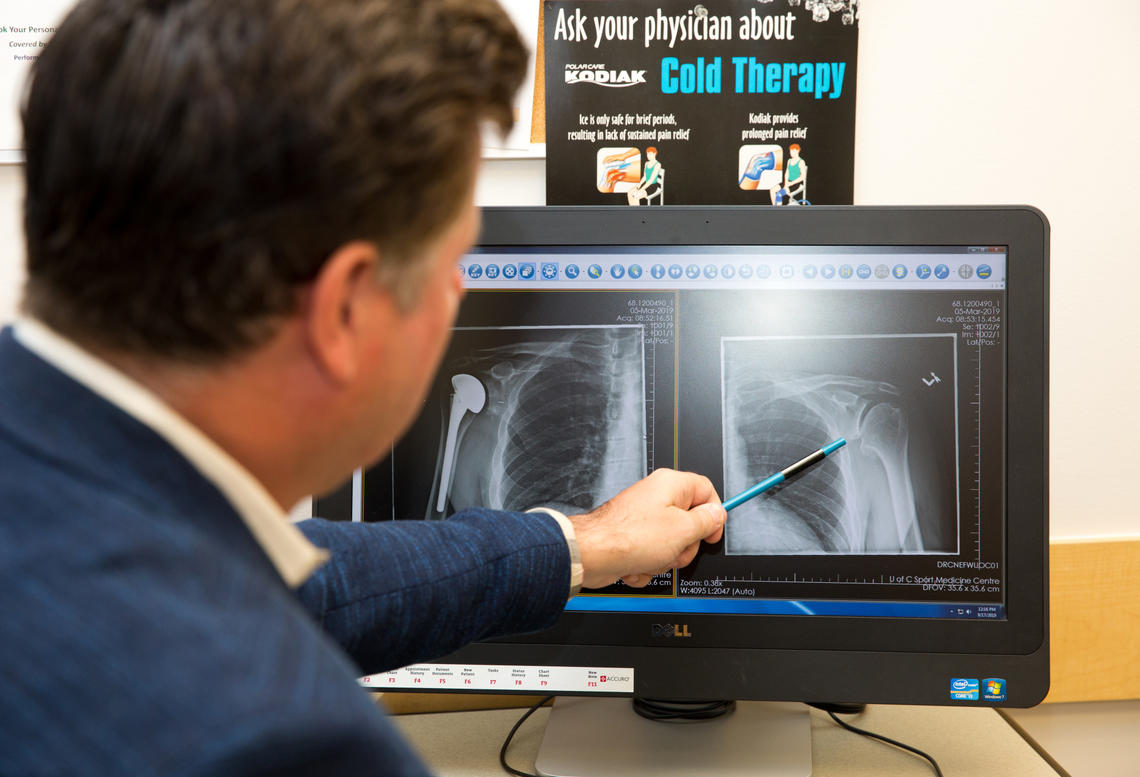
(909, 567)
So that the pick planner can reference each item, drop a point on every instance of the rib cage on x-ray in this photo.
(860, 500)
(564, 422)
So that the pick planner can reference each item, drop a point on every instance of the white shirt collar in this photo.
(290, 551)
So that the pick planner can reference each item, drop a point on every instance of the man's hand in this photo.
(653, 526)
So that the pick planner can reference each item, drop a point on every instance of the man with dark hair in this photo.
(243, 222)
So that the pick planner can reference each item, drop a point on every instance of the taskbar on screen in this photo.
(636, 604)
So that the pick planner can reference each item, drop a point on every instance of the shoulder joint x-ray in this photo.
(562, 423)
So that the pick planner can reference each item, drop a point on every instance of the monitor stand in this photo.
(592, 737)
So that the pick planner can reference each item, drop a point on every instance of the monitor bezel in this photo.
(849, 656)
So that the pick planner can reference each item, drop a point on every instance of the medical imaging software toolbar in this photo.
(574, 372)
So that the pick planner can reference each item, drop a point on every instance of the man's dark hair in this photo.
(192, 163)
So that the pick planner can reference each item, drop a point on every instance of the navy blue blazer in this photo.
(143, 631)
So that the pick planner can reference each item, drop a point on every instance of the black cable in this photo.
(506, 742)
(666, 711)
(654, 709)
(888, 740)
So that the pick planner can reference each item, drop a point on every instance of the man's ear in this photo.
(345, 305)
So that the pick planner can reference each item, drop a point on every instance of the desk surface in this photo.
(966, 741)
(1088, 739)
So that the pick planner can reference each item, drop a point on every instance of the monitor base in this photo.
(588, 737)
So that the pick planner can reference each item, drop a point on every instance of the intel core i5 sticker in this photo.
(964, 689)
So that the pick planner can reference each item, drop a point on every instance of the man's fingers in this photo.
(683, 559)
(709, 520)
(687, 555)
(637, 581)
(703, 491)
(686, 489)
(694, 490)
(647, 526)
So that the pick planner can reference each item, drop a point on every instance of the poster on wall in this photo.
(519, 141)
(25, 26)
(725, 102)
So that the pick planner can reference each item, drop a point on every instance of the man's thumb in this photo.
(714, 515)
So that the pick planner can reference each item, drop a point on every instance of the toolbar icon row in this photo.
(554, 271)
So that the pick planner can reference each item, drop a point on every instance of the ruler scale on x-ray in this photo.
(650, 410)
(795, 578)
(977, 403)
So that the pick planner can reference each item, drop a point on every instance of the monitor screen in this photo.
(909, 566)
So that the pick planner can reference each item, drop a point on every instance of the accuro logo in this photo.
(671, 630)
(600, 75)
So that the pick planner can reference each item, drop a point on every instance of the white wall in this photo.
(984, 101)
(1021, 101)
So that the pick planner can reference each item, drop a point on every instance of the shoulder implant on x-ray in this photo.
(561, 424)
(468, 396)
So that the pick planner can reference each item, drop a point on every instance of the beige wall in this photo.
(11, 238)
(984, 101)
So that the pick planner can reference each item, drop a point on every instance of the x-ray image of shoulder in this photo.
(891, 490)
(548, 416)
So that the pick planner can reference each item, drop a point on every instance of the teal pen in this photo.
(784, 474)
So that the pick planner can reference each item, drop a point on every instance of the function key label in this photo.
(499, 677)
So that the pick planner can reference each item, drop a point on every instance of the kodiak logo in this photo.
(600, 75)
(671, 630)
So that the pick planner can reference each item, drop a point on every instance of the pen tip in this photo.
(834, 446)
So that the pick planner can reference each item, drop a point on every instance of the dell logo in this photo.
(671, 630)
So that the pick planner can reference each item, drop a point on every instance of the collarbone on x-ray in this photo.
(562, 426)
(860, 500)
